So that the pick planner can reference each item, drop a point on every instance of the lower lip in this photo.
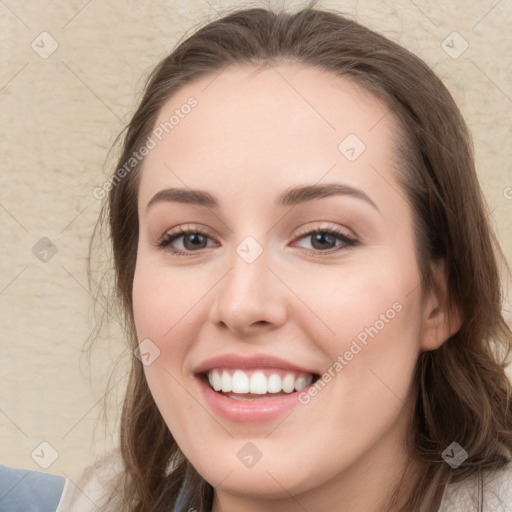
(249, 411)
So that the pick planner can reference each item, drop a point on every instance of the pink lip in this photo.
(247, 363)
(248, 411)
(245, 411)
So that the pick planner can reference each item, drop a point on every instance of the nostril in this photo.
(261, 322)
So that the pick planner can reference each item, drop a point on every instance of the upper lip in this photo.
(248, 363)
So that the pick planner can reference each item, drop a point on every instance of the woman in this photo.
(310, 283)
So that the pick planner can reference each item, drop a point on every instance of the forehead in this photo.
(265, 127)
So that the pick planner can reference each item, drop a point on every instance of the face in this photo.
(286, 305)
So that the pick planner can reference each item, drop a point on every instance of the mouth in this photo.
(252, 389)
(258, 383)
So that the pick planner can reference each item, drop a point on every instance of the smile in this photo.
(240, 384)
(253, 389)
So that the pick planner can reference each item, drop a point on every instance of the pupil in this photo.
(322, 237)
(195, 239)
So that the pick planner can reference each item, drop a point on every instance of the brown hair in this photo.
(462, 391)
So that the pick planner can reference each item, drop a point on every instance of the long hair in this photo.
(462, 391)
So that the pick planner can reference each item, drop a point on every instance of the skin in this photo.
(252, 135)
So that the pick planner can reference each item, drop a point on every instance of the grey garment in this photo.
(492, 492)
(96, 484)
(23, 490)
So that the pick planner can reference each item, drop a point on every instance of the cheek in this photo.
(166, 305)
(160, 313)
(369, 325)
(164, 300)
(372, 305)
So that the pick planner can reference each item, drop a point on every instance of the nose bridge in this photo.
(249, 294)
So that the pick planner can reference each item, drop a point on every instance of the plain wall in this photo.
(59, 115)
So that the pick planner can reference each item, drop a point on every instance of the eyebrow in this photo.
(290, 197)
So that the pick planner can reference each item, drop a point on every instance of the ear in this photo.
(441, 320)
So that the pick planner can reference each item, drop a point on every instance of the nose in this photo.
(250, 299)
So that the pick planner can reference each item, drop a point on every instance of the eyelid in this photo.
(307, 229)
(348, 241)
(186, 228)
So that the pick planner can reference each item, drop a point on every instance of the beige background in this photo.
(59, 116)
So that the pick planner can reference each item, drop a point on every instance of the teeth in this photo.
(216, 381)
(257, 382)
(289, 383)
(240, 382)
(301, 383)
(274, 383)
(226, 382)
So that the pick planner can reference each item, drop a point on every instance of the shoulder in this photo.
(465, 496)
(23, 490)
(88, 490)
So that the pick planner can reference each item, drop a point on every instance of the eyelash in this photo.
(166, 240)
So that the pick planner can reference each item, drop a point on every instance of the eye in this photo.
(193, 240)
(324, 240)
